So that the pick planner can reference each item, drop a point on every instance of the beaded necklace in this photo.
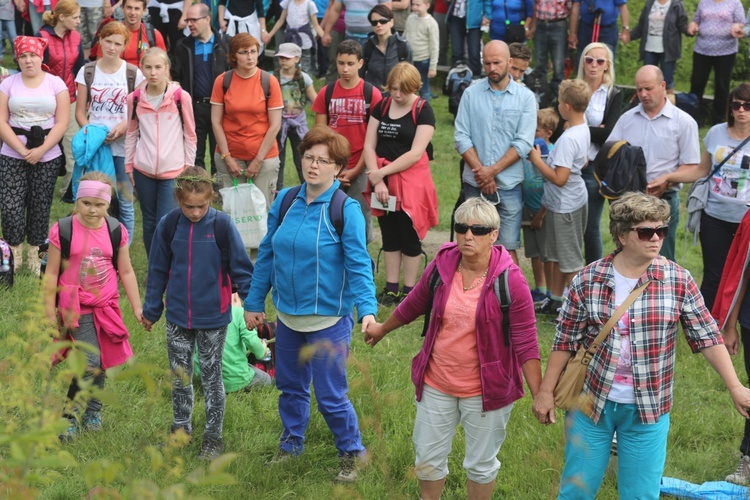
(476, 281)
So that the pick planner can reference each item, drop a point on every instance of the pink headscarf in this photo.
(94, 189)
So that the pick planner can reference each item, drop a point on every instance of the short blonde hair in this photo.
(478, 211)
(548, 119)
(575, 93)
(632, 209)
(405, 77)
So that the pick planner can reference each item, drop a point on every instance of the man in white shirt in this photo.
(668, 137)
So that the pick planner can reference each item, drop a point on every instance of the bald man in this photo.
(668, 137)
(495, 128)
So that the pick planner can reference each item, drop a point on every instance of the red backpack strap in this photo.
(385, 107)
(416, 109)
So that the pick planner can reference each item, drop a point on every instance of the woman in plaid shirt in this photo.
(629, 380)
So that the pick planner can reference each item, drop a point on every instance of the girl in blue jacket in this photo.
(318, 274)
(196, 254)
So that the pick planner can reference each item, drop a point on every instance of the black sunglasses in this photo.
(476, 229)
(736, 105)
(382, 20)
(646, 233)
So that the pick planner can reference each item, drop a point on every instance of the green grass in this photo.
(705, 433)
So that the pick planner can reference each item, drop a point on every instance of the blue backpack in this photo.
(458, 80)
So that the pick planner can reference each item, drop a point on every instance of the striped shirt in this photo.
(670, 299)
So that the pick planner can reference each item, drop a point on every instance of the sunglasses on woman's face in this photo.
(736, 105)
(382, 20)
(600, 61)
(476, 229)
(646, 233)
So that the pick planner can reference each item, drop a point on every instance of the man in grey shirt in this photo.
(668, 137)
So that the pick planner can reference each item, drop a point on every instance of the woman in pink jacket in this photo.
(474, 354)
(160, 141)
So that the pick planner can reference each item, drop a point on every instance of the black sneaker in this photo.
(548, 306)
(211, 448)
(388, 298)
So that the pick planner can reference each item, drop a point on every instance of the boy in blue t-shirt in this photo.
(565, 196)
(533, 211)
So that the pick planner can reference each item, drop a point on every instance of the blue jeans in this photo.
(157, 199)
(607, 34)
(326, 368)
(551, 40)
(641, 453)
(460, 38)
(10, 29)
(592, 238)
(668, 247)
(125, 197)
(509, 205)
(657, 59)
(424, 67)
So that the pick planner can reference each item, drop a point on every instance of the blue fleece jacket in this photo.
(198, 292)
(311, 269)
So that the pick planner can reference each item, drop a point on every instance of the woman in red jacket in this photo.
(64, 57)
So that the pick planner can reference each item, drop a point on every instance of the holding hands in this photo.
(253, 319)
(374, 332)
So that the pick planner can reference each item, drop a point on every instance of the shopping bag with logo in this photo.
(246, 205)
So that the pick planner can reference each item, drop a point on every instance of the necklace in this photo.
(476, 281)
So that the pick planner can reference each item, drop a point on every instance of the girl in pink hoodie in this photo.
(160, 140)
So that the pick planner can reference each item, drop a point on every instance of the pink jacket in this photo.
(499, 365)
(157, 143)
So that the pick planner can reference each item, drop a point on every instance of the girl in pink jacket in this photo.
(160, 140)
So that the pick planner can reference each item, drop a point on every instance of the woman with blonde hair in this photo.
(64, 58)
(104, 103)
(596, 67)
(397, 157)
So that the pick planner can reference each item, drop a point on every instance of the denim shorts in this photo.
(509, 205)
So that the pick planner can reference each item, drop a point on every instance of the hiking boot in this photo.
(538, 296)
(211, 448)
(548, 306)
(348, 473)
(33, 261)
(388, 298)
(92, 421)
(741, 474)
(17, 256)
(71, 432)
(280, 457)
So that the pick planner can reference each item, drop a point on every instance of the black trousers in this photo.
(722, 66)
(203, 130)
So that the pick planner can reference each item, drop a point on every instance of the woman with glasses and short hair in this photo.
(597, 69)
(730, 192)
(472, 360)
(397, 155)
(317, 271)
(383, 49)
(628, 384)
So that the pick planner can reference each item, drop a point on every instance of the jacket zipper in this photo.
(189, 276)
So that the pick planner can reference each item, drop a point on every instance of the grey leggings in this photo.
(180, 345)
(87, 333)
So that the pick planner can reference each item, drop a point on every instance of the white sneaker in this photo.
(742, 473)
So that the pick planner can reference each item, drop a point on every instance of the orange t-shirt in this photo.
(454, 362)
(138, 37)
(246, 114)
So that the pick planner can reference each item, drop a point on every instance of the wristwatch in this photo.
(626, 28)
(225, 155)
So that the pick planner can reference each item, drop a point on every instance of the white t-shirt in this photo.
(108, 100)
(298, 15)
(621, 390)
(570, 151)
(32, 107)
(656, 18)
(730, 186)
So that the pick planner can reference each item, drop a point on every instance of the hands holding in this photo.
(625, 36)
(374, 332)
(544, 407)
(738, 30)
(731, 338)
(692, 28)
(326, 39)
(146, 323)
(538, 220)
(253, 319)
(741, 399)
(265, 37)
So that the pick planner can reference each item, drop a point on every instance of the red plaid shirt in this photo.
(671, 298)
(552, 10)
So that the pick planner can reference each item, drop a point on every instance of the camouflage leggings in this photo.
(180, 348)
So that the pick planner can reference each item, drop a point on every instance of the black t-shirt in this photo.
(395, 137)
(243, 8)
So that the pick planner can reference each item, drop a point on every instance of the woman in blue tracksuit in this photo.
(507, 13)
(317, 272)
(465, 18)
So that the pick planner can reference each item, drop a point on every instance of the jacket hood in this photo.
(449, 255)
(93, 137)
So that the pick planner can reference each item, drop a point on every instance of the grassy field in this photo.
(124, 460)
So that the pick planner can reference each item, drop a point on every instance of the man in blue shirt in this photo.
(495, 128)
(583, 16)
(198, 60)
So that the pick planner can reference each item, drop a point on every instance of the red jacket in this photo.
(64, 56)
(734, 267)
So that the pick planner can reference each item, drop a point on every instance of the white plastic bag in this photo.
(246, 205)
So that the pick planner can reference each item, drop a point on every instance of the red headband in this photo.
(23, 44)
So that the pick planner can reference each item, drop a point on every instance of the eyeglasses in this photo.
(646, 233)
(191, 20)
(736, 105)
(323, 162)
(382, 20)
(600, 61)
(476, 229)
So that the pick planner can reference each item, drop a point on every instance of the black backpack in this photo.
(536, 81)
(457, 81)
(366, 90)
(619, 167)
(502, 293)
(265, 82)
(66, 236)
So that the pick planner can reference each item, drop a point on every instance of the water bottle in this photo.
(6, 265)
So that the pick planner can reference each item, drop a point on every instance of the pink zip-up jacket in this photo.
(157, 143)
(499, 365)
